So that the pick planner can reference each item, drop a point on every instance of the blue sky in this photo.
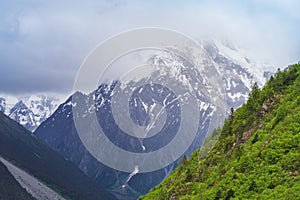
(43, 43)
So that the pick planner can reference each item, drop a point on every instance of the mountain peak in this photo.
(29, 110)
(59, 130)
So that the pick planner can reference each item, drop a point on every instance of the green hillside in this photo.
(257, 155)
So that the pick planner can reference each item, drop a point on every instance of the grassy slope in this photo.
(23, 149)
(257, 155)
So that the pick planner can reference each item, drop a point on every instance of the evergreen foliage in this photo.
(257, 155)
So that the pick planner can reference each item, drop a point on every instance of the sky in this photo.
(43, 43)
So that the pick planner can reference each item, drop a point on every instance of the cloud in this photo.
(44, 43)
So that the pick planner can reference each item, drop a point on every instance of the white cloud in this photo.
(51, 39)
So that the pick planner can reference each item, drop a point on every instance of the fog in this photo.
(43, 44)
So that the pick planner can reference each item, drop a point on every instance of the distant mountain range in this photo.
(238, 76)
(29, 111)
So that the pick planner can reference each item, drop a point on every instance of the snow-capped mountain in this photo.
(237, 70)
(237, 75)
(29, 111)
(2, 104)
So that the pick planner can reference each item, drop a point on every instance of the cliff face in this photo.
(257, 154)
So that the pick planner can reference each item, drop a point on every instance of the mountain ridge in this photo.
(20, 147)
(29, 110)
(59, 130)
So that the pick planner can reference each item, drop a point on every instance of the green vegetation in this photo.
(257, 155)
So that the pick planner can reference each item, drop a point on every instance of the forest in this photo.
(255, 156)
